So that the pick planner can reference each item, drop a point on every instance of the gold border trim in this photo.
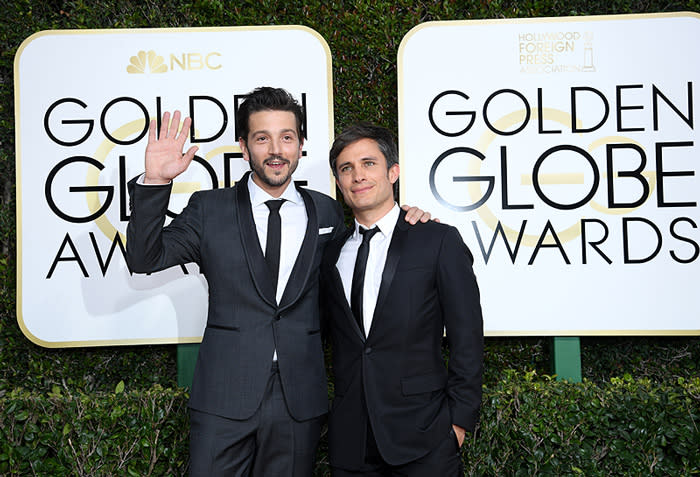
(402, 148)
(18, 160)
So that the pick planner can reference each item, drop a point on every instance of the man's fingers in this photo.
(414, 214)
(187, 159)
(152, 131)
(164, 126)
(189, 155)
(174, 125)
(185, 131)
(171, 136)
(460, 433)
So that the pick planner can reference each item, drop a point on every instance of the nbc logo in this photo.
(143, 60)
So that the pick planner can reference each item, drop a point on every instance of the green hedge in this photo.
(123, 433)
(623, 427)
(59, 415)
(529, 426)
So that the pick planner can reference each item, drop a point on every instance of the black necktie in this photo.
(358, 275)
(274, 234)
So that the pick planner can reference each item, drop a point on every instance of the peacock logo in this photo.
(145, 62)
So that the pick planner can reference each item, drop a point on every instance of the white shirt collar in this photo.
(386, 224)
(258, 196)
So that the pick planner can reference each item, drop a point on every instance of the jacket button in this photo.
(368, 350)
(277, 317)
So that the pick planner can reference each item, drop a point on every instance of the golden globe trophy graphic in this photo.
(588, 53)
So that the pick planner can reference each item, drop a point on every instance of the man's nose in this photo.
(275, 146)
(358, 174)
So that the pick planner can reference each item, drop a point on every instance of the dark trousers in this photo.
(271, 443)
(443, 461)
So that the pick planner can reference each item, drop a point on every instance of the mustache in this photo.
(276, 159)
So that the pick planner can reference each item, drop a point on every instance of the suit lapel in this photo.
(396, 247)
(336, 283)
(305, 258)
(251, 244)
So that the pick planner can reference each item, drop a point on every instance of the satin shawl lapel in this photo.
(305, 259)
(251, 244)
(334, 249)
(396, 247)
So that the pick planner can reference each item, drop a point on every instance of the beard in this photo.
(273, 178)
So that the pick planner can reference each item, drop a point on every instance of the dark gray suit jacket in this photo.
(244, 323)
(411, 398)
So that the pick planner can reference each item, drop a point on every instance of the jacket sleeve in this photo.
(150, 247)
(339, 230)
(459, 297)
(339, 225)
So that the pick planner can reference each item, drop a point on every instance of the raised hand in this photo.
(164, 157)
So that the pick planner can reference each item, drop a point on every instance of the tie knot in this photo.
(274, 205)
(367, 234)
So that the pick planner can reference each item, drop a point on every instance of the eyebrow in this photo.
(265, 131)
(362, 159)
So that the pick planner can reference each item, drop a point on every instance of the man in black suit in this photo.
(259, 389)
(389, 292)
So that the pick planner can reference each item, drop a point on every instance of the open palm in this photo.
(164, 157)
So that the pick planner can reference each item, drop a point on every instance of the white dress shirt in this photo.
(378, 249)
(294, 220)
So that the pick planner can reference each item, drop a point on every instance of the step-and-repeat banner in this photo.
(566, 152)
(83, 102)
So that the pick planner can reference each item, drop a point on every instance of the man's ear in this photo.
(244, 148)
(393, 173)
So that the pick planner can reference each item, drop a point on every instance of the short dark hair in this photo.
(266, 98)
(382, 136)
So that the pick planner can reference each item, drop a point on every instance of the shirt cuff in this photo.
(142, 177)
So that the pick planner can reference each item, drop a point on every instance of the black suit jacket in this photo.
(411, 398)
(244, 323)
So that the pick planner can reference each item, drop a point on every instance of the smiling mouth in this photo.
(361, 190)
(276, 164)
